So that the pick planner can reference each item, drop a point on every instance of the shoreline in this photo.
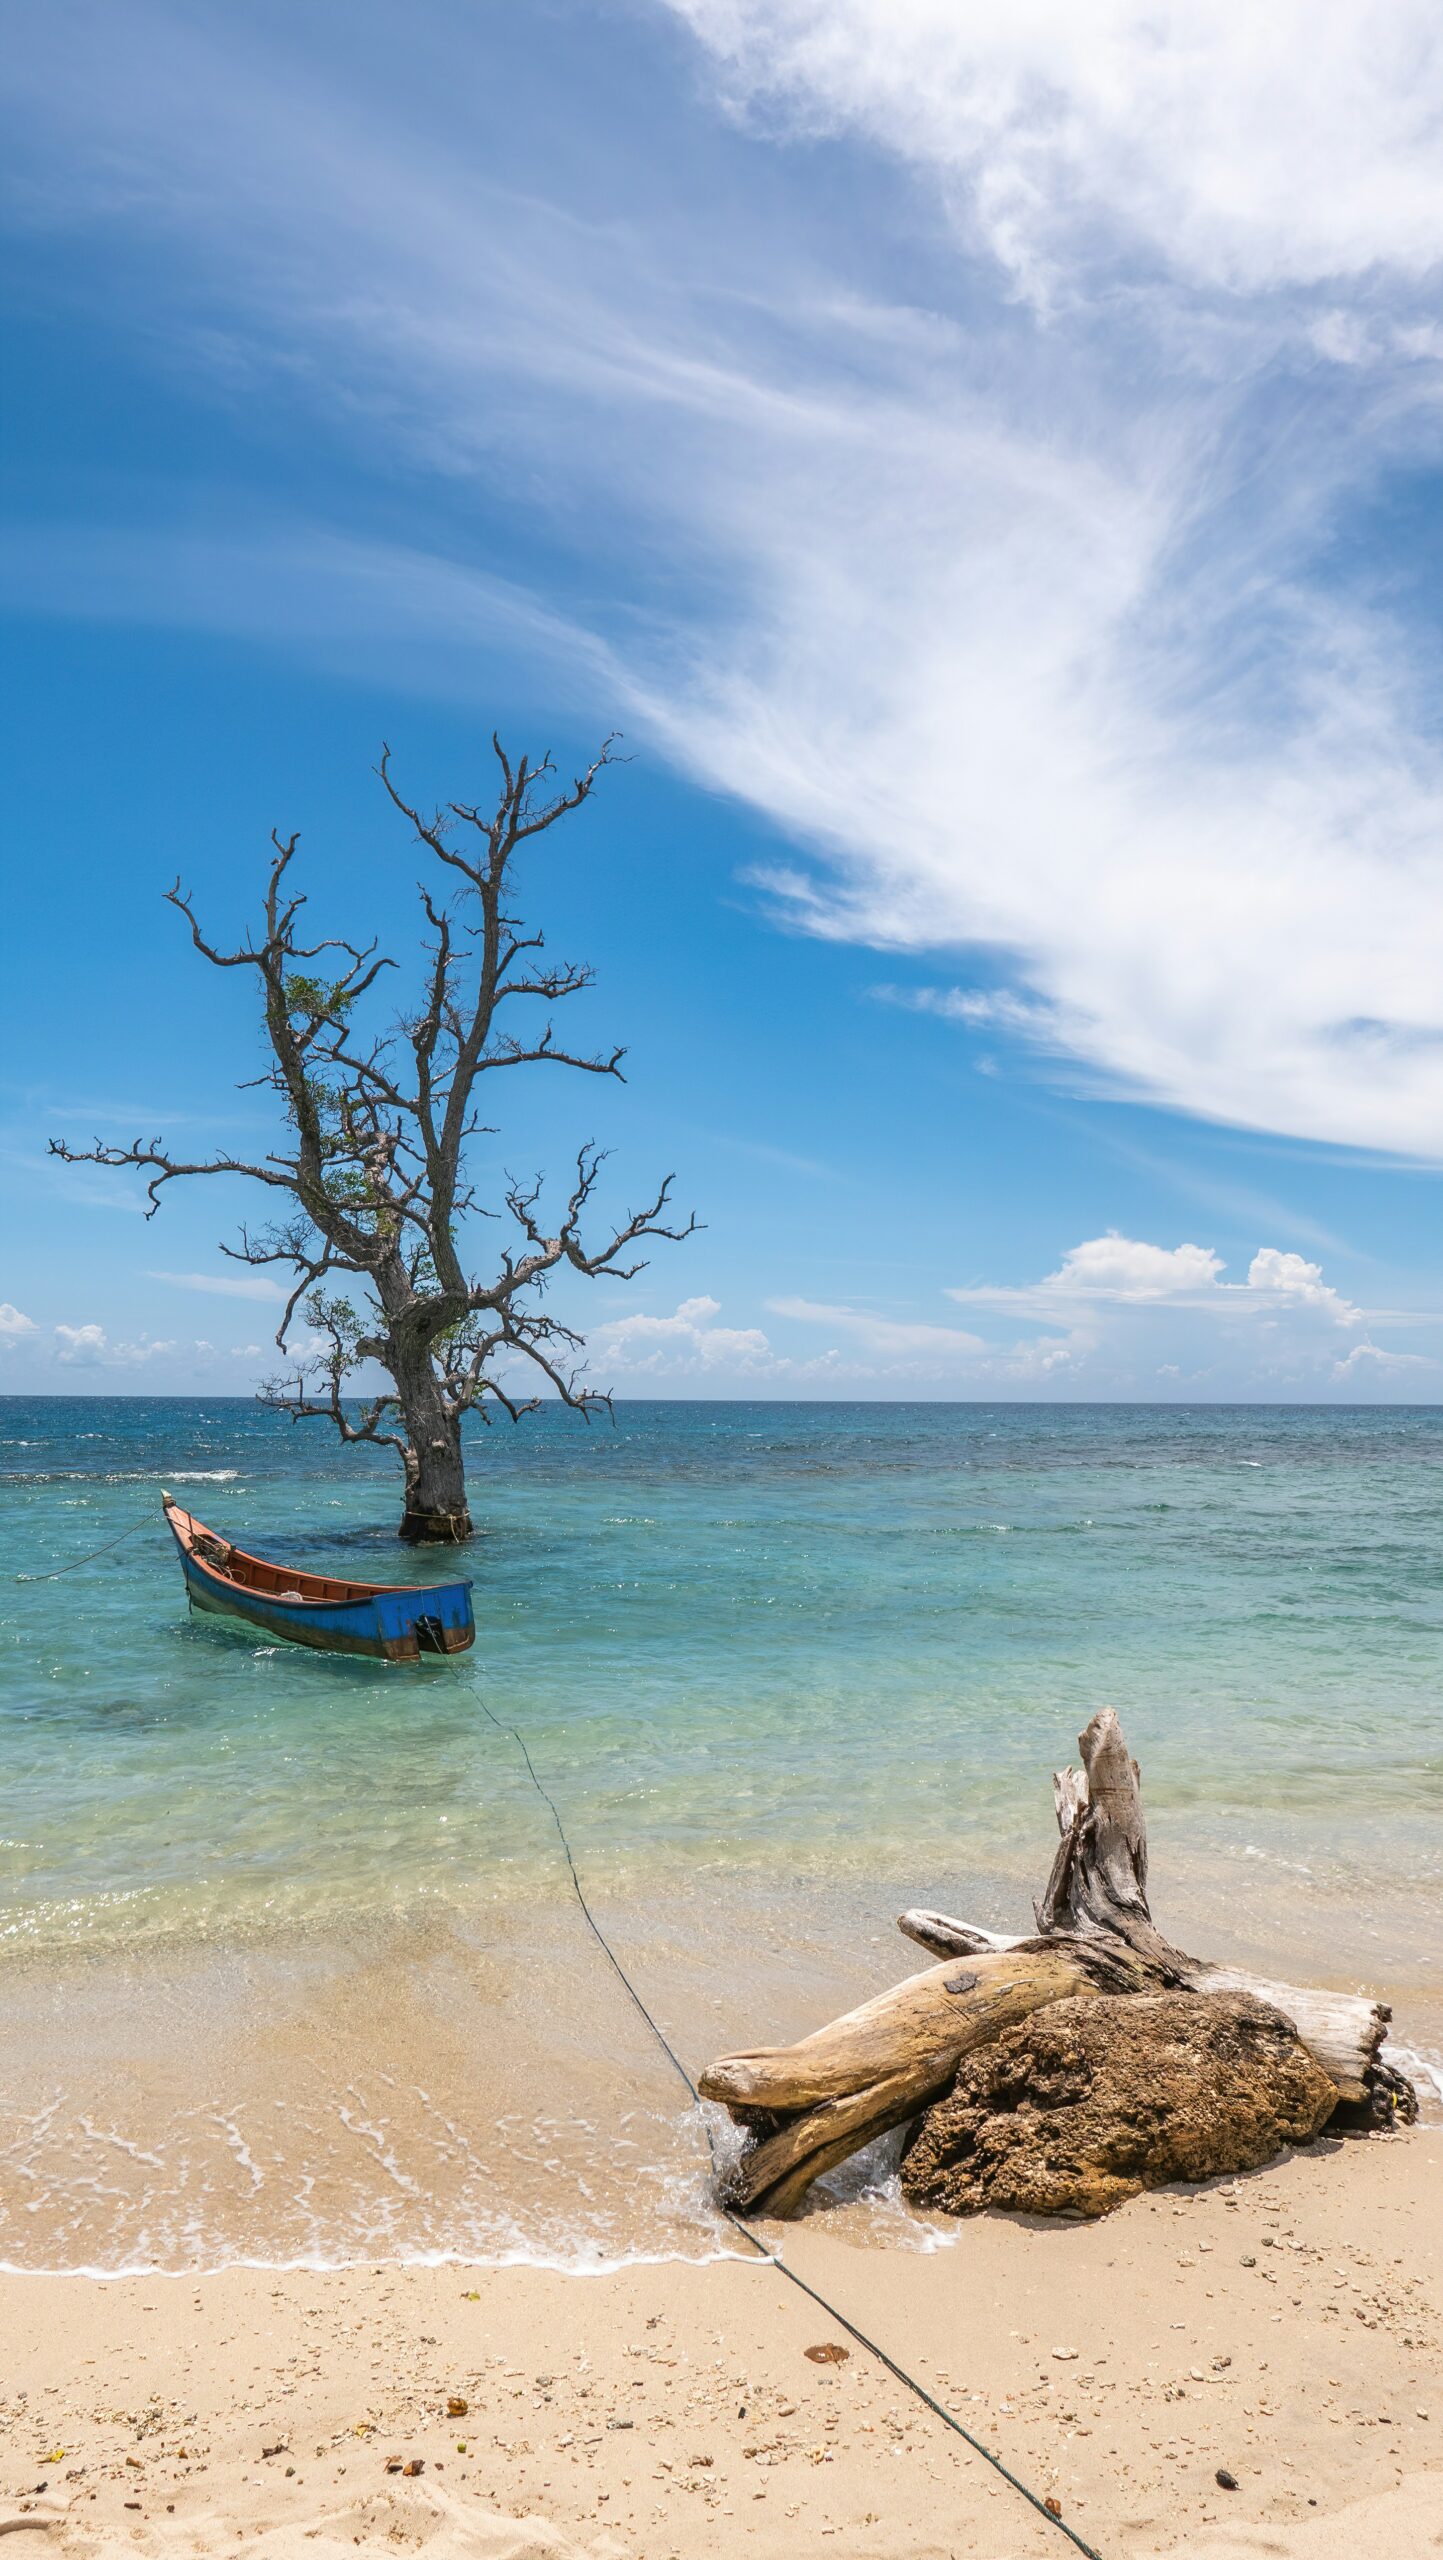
(441, 2098)
(1287, 2326)
(434, 2095)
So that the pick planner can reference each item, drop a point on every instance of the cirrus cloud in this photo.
(222, 1284)
(1242, 149)
(1007, 587)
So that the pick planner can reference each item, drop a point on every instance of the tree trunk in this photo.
(436, 1513)
(809, 2106)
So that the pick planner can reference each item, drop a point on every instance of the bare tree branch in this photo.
(379, 1118)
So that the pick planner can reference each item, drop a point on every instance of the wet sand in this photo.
(476, 2084)
(1285, 2327)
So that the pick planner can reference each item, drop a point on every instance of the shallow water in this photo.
(288, 1963)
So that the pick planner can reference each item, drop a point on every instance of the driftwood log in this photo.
(809, 2106)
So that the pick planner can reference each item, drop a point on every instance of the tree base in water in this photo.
(436, 1528)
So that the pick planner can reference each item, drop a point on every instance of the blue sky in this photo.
(991, 474)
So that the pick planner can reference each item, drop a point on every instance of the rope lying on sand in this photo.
(899, 2372)
(145, 1518)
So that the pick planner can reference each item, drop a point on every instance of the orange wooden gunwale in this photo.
(256, 1574)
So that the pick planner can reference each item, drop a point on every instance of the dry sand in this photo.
(1286, 2328)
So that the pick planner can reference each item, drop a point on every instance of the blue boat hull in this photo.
(388, 1623)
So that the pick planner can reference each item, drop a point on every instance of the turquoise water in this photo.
(786, 1668)
(810, 1636)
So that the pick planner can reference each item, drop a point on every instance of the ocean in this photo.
(290, 1967)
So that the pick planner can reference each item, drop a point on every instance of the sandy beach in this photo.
(1285, 2327)
(349, 2204)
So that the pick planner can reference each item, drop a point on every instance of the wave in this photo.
(549, 2261)
(1416, 2066)
(119, 1475)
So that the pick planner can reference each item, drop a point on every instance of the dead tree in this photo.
(809, 2106)
(371, 1186)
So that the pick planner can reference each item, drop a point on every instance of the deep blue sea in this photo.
(786, 1668)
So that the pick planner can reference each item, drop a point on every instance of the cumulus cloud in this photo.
(80, 1345)
(1298, 1284)
(1112, 1306)
(84, 1346)
(877, 1351)
(1122, 1270)
(685, 1344)
(1366, 1358)
(1114, 1266)
(13, 1325)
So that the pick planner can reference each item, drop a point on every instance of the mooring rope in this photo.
(75, 1561)
(899, 2372)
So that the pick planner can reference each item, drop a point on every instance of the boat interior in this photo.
(273, 1581)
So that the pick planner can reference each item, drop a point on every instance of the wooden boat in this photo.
(392, 1622)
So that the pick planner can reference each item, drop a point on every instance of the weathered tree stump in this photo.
(810, 2105)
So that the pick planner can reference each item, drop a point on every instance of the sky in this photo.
(988, 466)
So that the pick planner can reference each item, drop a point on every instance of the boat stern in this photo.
(438, 1620)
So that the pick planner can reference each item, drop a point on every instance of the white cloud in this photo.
(885, 1351)
(1112, 1309)
(1299, 1284)
(80, 1344)
(1119, 1270)
(13, 1325)
(1048, 1356)
(988, 690)
(368, 608)
(1015, 623)
(221, 1284)
(1243, 149)
(1366, 1357)
(1114, 1266)
(991, 1008)
(892, 1349)
(135, 1355)
(885, 1337)
(1008, 679)
(685, 1344)
(85, 1346)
